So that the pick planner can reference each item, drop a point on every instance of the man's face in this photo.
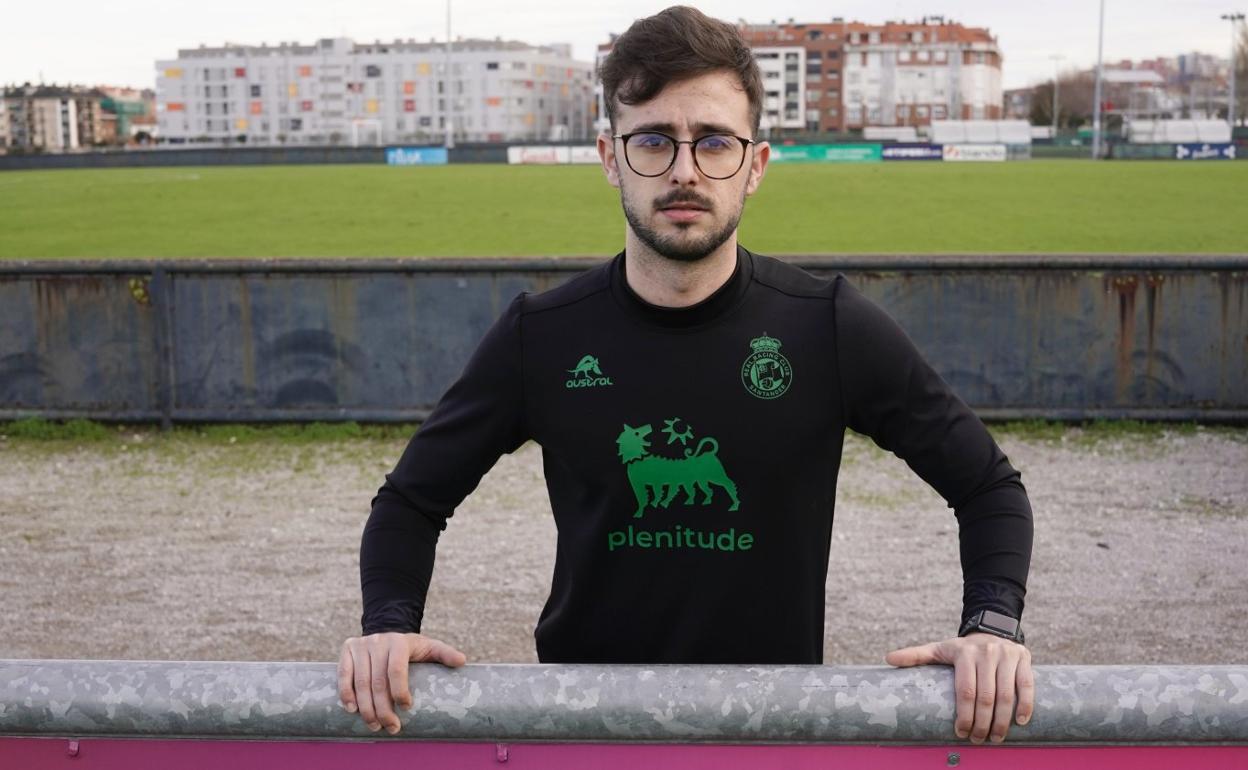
(682, 214)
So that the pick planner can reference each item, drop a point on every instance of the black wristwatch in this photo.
(995, 623)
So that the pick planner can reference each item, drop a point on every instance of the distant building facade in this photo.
(340, 92)
(43, 118)
(843, 76)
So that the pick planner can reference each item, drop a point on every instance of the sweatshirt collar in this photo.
(721, 301)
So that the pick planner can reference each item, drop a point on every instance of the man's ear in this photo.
(758, 166)
(606, 153)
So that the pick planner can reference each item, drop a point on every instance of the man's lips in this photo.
(682, 211)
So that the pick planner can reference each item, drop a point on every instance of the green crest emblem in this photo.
(766, 373)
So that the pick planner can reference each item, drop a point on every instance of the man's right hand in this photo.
(372, 673)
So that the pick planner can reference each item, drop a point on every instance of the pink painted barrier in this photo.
(122, 754)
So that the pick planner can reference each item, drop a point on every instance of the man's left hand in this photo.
(989, 675)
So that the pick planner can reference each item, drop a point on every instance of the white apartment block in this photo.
(341, 92)
(784, 88)
(912, 74)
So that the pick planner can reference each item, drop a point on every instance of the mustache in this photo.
(682, 197)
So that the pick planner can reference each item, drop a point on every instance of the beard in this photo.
(675, 247)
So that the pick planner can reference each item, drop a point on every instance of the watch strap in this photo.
(995, 623)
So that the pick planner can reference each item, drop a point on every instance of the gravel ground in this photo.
(153, 546)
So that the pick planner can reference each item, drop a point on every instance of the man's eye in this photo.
(715, 143)
(649, 141)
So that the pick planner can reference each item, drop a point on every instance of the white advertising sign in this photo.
(975, 152)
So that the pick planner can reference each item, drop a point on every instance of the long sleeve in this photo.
(892, 395)
(478, 420)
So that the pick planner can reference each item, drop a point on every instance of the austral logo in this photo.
(587, 374)
(766, 373)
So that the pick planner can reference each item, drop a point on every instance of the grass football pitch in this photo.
(1040, 206)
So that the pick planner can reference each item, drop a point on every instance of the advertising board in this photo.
(416, 156)
(975, 152)
(913, 151)
(825, 153)
(1205, 151)
(549, 155)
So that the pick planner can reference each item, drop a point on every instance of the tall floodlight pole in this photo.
(448, 114)
(1096, 108)
(1230, 102)
(1057, 57)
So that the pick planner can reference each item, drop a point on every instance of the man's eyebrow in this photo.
(699, 129)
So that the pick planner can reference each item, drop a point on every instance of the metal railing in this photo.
(1119, 705)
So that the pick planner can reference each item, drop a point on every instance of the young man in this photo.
(690, 398)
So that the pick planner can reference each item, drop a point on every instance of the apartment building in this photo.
(892, 74)
(337, 91)
(840, 76)
(54, 118)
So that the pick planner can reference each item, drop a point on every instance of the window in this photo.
(490, 65)
(920, 112)
(372, 71)
(240, 72)
(917, 36)
(979, 57)
(875, 38)
(813, 34)
(942, 56)
(925, 55)
(519, 65)
(255, 90)
(938, 111)
(834, 111)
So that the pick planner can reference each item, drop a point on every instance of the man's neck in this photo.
(672, 283)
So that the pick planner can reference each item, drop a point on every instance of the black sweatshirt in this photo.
(691, 458)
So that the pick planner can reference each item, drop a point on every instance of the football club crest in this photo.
(766, 373)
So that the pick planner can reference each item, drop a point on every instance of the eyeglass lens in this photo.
(717, 156)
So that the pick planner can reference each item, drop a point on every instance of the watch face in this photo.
(998, 622)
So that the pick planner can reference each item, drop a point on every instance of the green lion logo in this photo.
(656, 480)
(766, 374)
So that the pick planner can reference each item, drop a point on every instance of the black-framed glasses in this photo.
(717, 156)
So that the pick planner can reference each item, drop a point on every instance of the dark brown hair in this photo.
(675, 44)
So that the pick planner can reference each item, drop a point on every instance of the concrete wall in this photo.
(1056, 337)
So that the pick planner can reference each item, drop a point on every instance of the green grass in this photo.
(1049, 206)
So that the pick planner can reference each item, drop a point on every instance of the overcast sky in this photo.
(117, 43)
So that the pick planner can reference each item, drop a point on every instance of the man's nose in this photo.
(684, 169)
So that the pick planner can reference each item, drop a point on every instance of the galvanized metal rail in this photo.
(1136, 705)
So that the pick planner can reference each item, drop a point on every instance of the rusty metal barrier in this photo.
(1057, 337)
(195, 714)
